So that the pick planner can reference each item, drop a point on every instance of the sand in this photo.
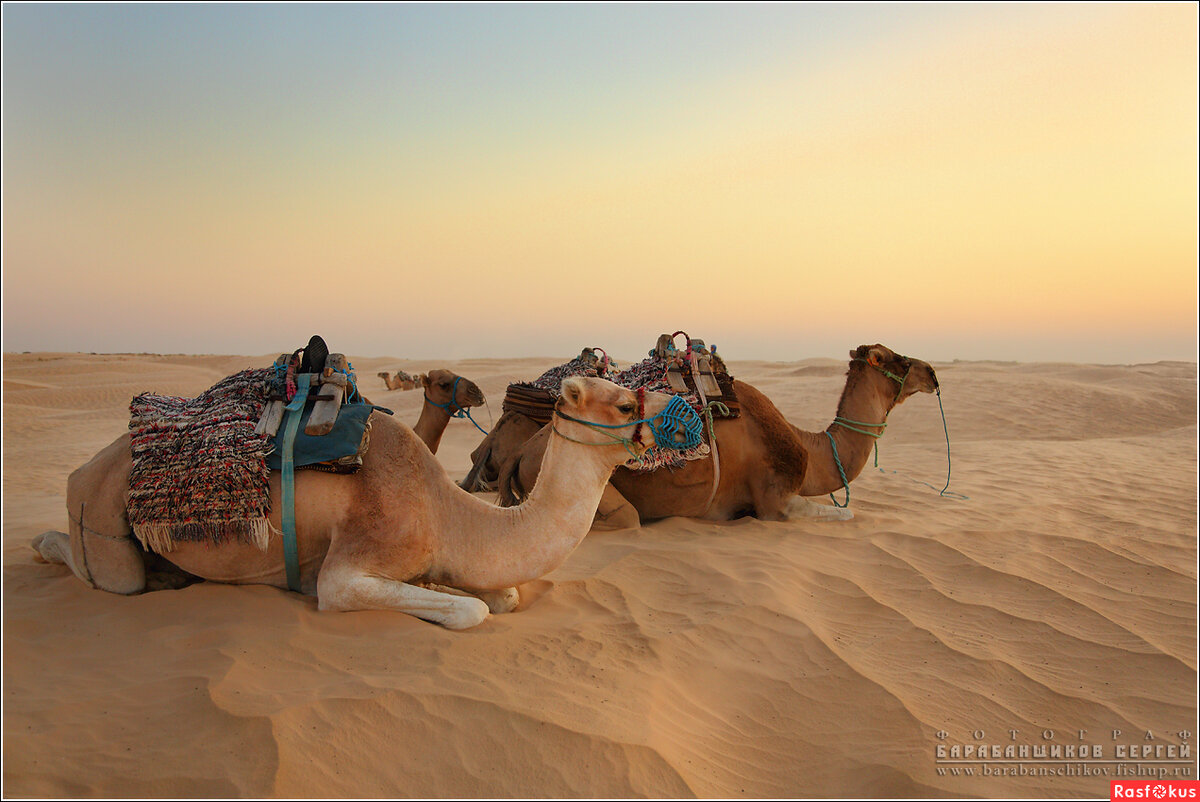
(1054, 606)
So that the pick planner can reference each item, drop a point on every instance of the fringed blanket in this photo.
(586, 364)
(199, 470)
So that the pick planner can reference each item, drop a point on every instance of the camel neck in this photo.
(492, 547)
(432, 423)
(864, 407)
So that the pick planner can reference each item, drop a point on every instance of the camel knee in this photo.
(335, 590)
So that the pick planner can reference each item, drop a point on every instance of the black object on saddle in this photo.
(333, 432)
(315, 354)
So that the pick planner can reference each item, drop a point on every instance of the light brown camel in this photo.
(402, 380)
(767, 465)
(397, 535)
(445, 394)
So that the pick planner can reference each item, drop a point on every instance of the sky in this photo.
(789, 181)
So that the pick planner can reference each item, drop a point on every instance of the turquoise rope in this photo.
(677, 412)
(841, 472)
(845, 422)
(349, 374)
(946, 429)
(851, 424)
(625, 442)
(462, 412)
(294, 411)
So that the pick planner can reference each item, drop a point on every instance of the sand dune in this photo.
(683, 658)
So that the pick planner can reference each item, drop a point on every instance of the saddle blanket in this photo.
(200, 471)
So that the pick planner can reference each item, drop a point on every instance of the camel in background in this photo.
(402, 380)
(446, 393)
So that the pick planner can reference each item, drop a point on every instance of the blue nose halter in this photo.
(676, 427)
(453, 407)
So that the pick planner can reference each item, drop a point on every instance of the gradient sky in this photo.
(1012, 181)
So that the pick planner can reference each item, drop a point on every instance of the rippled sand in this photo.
(683, 658)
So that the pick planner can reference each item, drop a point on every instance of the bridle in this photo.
(453, 407)
(853, 425)
(674, 419)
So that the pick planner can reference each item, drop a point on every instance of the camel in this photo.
(397, 535)
(446, 394)
(402, 380)
(767, 465)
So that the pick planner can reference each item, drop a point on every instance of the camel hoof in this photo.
(502, 601)
(468, 612)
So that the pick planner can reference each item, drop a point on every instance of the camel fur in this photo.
(397, 535)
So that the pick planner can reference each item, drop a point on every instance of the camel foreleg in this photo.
(345, 590)
(500, 601)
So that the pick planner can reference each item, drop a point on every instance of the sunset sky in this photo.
(1012, 181)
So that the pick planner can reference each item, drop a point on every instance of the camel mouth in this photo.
(932, 385)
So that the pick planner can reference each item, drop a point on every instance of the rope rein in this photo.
(627, 442)
(675, 420)
(854, 425)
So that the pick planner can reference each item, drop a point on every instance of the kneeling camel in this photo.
(767, 465)
(397, 535)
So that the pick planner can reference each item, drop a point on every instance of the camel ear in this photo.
(424, 380)
(875, 357)
(572, 390)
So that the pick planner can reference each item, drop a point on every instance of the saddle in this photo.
(666, 369)
(333, 433)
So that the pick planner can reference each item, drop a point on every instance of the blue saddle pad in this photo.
(343, 441)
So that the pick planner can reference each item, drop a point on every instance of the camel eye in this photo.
(626, 408)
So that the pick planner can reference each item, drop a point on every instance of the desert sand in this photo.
(1051, 608)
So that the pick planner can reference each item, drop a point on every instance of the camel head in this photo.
(451, 391)
(597, 412)
(902, 375)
